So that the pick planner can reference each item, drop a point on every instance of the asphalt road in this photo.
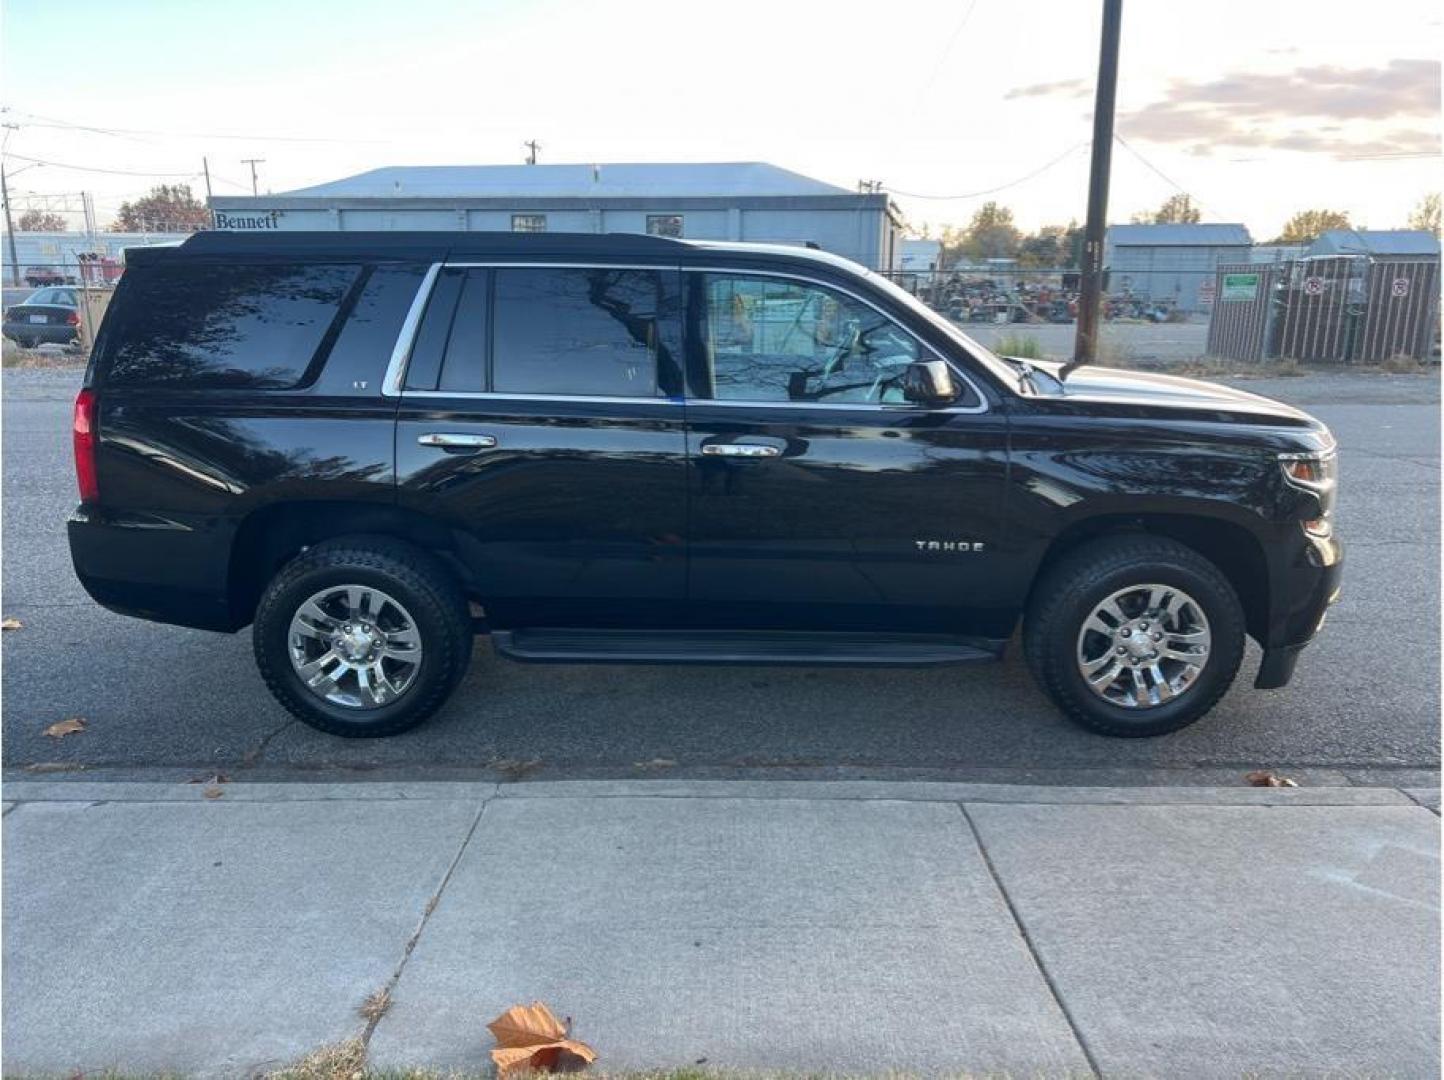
(159, 700)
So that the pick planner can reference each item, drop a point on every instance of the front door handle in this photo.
(741, 449)
(457, 442)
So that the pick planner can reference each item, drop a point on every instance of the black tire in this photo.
(417, 580)
(1067, 594)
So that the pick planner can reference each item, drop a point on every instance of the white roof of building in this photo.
(1200, 234)
(1376, 242)
(684, 179)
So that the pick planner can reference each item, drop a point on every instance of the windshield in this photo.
(990, 360)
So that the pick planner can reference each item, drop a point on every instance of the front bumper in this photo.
(1307, 589)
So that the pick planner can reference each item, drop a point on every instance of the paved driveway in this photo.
(1364, 704)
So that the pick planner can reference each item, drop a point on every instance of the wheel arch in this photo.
(272, 535)
(1230, 546)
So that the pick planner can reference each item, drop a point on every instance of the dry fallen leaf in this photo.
(1269, 778)
(10, 624)
(531, 1037)
(213, 792)
(62, 728)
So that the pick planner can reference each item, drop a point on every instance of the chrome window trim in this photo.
(392, 384)
(406, 337)
(486, 395)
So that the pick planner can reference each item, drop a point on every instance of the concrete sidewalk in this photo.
(852, 927)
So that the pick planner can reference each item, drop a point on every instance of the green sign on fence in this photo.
(1240, 286)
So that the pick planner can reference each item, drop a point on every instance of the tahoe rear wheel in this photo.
(1134, 635)
(362, 637)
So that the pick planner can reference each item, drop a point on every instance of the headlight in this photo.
(1311, 470)
(1317, 472)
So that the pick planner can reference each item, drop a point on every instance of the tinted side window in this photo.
(253, 327)
(773, 339)
(364, 345)
(450, 348)
(583, 332)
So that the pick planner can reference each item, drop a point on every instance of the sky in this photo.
(1256, 108)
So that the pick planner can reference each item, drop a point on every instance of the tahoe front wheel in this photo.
(1134, 635)
(362, 637)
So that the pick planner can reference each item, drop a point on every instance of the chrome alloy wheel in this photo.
(1143, 646)
(355, 646)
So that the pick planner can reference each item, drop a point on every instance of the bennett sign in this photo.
(1240, 286)
(268, 220)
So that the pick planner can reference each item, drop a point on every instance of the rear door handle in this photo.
(741, 449)
(458, 442)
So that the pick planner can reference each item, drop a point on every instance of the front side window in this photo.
(255, 327)
(774, 339)
(528, 223)
(664, 224)
(574, 331)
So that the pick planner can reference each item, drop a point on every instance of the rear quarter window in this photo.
(249, 327)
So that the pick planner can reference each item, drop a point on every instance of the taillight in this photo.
(83, 432)
(73, 318)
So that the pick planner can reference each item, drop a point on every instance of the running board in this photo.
(739, 647)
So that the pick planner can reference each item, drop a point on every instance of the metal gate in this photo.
(1332, 309)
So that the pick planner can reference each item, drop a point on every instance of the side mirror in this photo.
(929, 382)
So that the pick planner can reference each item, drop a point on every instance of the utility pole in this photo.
(1090, 294)
(206, 166)
(9, 229)
(532, 147)
(252, 162)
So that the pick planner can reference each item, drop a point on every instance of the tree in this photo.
(1307, 225)
(168, 208)
(992, 234)
(39, 221)
(1176, 210)
(1424, 216)
(1048, 247)
(952, 240)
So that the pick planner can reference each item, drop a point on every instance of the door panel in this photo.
(567, 508)
(870, 514)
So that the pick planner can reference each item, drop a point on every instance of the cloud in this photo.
(1289, 110)
(1399, 88)
(1061, 88)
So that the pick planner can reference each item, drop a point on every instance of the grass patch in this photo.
(347, 1061)
(375, 1006)
(1023, 346)
(15, 357)
(1402, 365)
(340, 1061)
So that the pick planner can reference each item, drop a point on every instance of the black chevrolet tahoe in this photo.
(371, 447)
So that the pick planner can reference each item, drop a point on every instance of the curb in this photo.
(20, 792)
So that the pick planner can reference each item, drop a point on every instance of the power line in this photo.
(1001, 187)
(1163, 175)
(51, 121)
(1400, 155)
(943, 56)
(95, 169)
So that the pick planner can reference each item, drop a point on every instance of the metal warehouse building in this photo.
(1172, 262)
(704, 201)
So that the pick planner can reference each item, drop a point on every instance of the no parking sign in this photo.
(1400, 286)
(1314, 286)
